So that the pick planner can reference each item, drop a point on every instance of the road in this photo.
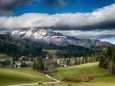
(55, 81)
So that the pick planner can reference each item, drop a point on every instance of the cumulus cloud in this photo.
(6, 6)
(100, 18)
(95, 34)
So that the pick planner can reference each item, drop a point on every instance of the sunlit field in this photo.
(9, 76)
(102, 76)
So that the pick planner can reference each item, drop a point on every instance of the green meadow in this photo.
(102, 77)
(10, 76)
(51, 52)
(4, 56)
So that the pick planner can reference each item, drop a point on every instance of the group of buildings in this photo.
(49, 62)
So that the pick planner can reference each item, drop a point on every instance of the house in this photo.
(6, 61)
(17, 64)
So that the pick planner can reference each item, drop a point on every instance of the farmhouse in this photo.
(6, 61)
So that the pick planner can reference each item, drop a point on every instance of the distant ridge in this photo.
(45, 35)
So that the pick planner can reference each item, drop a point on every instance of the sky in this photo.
(90, 19)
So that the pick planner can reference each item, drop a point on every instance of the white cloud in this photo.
(105, 14)
(96, 34)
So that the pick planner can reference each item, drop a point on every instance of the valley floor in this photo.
(102, 77)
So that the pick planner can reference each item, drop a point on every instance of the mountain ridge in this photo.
(50, 37)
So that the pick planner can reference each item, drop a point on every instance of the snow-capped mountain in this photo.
(50, 37)
(41, 35)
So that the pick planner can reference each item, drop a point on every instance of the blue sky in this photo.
(110, 39)
(90, 19)
(72, 6)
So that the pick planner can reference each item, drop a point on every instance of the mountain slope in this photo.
(41, 35)
(50, 37)
(17, 48)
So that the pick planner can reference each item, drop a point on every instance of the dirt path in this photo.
(55, 81)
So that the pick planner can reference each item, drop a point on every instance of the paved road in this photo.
(56, 81)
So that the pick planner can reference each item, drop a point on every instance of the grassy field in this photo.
(4, 56)
(90, 69)
(102, 76)
(9, 76)
(27, 75)
(81, 84)
(51, 52)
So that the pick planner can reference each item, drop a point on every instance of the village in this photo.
(48, 62)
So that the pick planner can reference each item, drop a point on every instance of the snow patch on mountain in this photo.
(50, 37)
(41, 35)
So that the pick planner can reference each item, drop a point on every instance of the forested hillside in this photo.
(17, 48)
(74, 51)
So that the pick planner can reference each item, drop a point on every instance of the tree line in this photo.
(74, 51)
(107, 59)
(21, 49)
